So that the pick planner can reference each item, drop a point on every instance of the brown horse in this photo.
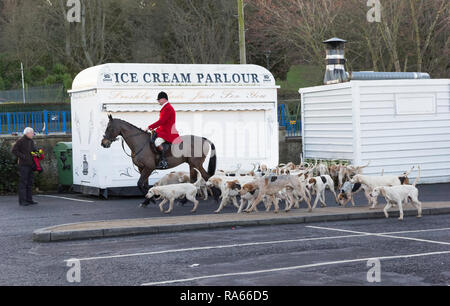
(193, 150)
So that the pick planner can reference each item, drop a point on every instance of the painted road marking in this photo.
(293, 268)
(387, 235)
(247, 244)
(65, 198)
(213, 247)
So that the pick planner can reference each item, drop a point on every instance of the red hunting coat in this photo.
(165, 126)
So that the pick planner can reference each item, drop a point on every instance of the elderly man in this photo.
(22, 149)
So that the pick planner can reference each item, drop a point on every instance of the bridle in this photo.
(110, 138)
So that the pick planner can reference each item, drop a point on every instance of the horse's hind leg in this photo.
(197, 162)
(192, 173)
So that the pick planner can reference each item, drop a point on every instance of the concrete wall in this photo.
(48, 180)
(290, 147)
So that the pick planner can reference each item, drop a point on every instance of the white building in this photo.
(235, 106)
(394, 124)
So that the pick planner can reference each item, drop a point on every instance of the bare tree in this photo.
(426, 27)
(21, 31)
(412, 35)
(408, 29)
(104, 33)
(303, 23)
(202, 31)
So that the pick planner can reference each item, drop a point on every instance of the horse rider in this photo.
(166, 133)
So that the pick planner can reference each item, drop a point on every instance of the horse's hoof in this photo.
(142, 205)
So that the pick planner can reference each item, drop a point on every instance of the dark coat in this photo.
(22, 149)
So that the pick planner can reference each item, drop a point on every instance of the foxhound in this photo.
(171, 192)
(374, 181)
(400, 194)
(320, 184)
(270, 186)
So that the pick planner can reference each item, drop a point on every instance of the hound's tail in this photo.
(418, 176)
(407, 173)
(368, 164)
(212, 159)
(199, 178)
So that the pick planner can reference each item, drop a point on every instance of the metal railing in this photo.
(291, 122)
(43, 122)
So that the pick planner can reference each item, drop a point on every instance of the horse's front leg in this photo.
(143, 184)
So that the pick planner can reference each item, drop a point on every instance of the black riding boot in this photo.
(163, 164)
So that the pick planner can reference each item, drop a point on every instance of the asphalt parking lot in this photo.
(416, 252)
(412, 252)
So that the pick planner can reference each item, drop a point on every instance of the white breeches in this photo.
(159, 141)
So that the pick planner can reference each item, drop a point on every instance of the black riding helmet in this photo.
(162, 95)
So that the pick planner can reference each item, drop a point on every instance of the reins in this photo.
(129, 155)
(139, 151)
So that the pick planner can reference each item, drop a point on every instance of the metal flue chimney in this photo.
(335, 71)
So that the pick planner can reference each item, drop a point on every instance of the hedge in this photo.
(8, 170)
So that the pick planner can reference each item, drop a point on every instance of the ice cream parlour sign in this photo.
(187, 78)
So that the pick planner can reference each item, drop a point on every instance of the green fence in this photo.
(39, 94)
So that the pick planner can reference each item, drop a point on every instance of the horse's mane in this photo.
(130, 124)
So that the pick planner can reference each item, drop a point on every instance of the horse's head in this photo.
(111, 133)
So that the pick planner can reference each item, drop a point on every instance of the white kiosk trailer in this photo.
(393, 124)
(234, 106)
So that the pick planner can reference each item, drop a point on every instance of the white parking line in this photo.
(247, 244)
(293, 268)
(387, 235)
(418, 231)
(213, 247)
(64, 198)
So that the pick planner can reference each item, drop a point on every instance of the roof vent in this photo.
(335, 71)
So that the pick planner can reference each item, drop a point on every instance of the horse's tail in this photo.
(212, 159)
